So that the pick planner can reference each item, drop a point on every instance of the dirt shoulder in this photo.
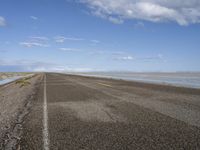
(15, 102)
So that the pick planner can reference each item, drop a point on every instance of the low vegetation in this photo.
(23, 82)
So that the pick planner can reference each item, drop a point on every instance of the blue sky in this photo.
(99, 35)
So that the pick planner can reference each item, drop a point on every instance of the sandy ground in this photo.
(14, 103)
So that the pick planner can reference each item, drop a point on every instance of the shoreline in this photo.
(140, 80)
(147, 85)
(13, 78)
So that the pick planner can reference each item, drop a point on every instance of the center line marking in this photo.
(45, 118)
(105, 84)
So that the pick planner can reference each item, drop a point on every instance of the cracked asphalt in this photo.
(95, 113)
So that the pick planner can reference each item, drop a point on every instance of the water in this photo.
(177, 79)
(8, 80)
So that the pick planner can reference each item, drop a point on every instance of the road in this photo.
(76, 113)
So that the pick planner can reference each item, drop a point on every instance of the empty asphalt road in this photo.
(85, 113)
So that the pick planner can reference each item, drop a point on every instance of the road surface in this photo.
(76, 113)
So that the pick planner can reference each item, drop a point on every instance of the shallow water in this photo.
(8, 80)
(177, 79)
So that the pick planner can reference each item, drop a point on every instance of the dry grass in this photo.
(23, 82)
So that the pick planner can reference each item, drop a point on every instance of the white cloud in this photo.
(40, 38)
(74, 39)
(36, 41)
(61, 39)
(33, 44)
(95, 41)
(125, 58)
(57, 68)
(151, 58)
(114, 54)
(122, 57)
(31, 65)
(115, 20)
(69, 49)
(48, 69)
(2, 21)
(38, 66)
(71, 69)
(34, 17)
(183, 12)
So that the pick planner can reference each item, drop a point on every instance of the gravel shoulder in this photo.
(15, 101)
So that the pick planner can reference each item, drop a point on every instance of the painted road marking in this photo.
(45, 119)
(105, 84)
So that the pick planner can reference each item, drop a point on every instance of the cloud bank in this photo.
(183, 12)
(37, 66)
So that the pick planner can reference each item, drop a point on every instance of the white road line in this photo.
(105, 84)
(45, 119)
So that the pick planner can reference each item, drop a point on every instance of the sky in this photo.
(100, 35)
